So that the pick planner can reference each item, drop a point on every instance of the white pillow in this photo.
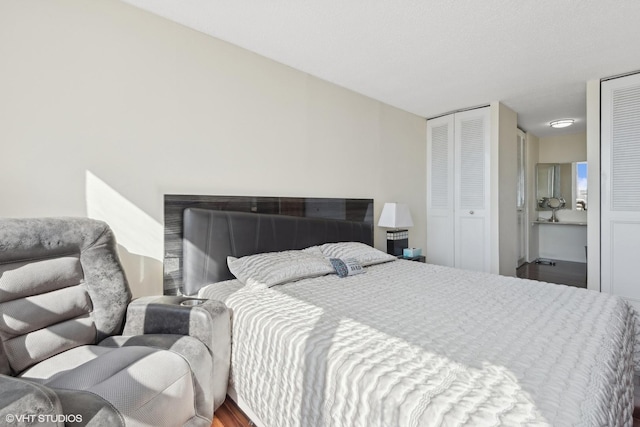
(364, 254)
(274, 268)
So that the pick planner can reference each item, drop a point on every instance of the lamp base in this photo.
(397, 240)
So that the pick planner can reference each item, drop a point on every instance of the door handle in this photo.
(471, 212)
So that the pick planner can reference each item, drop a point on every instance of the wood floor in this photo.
(229, 415)
(563, 272)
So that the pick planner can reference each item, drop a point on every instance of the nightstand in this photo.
(420, 258)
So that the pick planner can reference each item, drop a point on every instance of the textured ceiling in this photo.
(430, 57)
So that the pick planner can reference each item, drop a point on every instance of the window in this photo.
(581, 186)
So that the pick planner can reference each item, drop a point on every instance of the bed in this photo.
(405, 343)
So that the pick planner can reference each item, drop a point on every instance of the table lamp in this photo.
(397, 217)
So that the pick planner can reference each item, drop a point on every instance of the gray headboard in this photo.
(209, 236)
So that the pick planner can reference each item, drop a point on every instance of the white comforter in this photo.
(412, 344)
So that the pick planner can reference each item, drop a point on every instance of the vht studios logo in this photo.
(43, 418)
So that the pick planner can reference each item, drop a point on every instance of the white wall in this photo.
(533, 150)
(593, 181)
(563, 242)
(563, 148)
(505, 137)
(105, 108)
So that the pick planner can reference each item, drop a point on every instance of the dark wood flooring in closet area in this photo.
(563, 272)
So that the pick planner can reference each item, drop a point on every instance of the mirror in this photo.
(554, 204)
(563, 181)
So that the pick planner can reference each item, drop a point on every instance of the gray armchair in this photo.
(63, 298)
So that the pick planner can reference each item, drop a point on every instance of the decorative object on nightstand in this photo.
(397, 217)
(411, 252)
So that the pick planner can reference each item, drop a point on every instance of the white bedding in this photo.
(221, 290)
(412, 344)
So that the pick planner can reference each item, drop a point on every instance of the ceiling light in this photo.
(561, 123)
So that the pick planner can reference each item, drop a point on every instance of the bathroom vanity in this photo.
(562, 203)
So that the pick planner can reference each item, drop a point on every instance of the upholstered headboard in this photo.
(209, 236)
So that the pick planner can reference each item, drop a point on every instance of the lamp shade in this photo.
(395, 215)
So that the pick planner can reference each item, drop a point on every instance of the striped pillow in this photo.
(275, 268)
(364, 254)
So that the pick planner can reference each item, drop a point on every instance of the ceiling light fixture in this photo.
(561, 123)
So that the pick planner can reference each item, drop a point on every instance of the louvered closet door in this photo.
(472, 138)
(620, 188)
(440, 198)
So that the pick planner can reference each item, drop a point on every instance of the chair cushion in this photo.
(201, 363)
(148, 386)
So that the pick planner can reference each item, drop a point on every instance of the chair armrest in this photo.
(207, 320)
(22, 401)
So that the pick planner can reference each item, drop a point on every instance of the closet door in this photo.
(472, 178)
(620, 187)
(440, 200)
